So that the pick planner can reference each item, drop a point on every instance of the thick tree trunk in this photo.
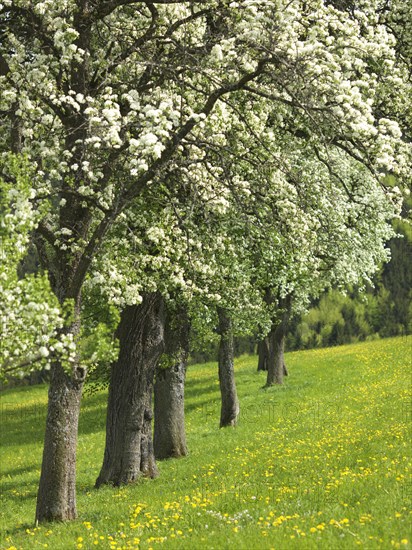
(230, 404)
(56, 498)
(276, 338)
(276, 360)
(129, 446)
(276, 357)
(169, 390)
(169, 425)
(263, 354)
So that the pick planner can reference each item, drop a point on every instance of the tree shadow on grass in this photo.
(17, 472)
(192, 390)
(207, 406)
(17, 491)
(25, 425)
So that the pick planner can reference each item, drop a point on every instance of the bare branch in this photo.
(146, 36)
(33, 25)
(274, 97)
(7, 367)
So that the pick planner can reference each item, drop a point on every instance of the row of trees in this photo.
(211, 164)
(378, 311)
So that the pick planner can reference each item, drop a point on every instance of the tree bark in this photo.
(129, 446)
(230, 404)
(169, 389)
(16, 131)
(263, 354)
(56, 497)
(276, 359)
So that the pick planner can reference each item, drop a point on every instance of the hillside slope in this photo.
(322, 462)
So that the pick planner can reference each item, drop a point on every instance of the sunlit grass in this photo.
(323, 462)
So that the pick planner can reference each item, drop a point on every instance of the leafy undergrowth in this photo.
(322, 462)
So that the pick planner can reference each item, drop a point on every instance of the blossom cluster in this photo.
(221, 149)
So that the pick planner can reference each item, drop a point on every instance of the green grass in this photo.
(322, 462)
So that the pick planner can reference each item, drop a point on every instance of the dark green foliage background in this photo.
(382, 311)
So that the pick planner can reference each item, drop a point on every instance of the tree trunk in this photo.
(56, 498)
(16, 131)
(230, 405)
(263, 354)
(276, 338)
(129, 447)
(276, 360)
(169, 390)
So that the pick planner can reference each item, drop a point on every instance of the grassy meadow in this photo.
(323, 462)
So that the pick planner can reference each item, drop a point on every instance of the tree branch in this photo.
(106, 8)
(46, 232)
(131, 49)
(5, 368)
(33, 25)
(134, 190)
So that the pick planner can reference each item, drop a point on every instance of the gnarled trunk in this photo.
(263, 354)
(229, 411)
(169, 416)
(56, 498)
(169, 390)
(129, 446)
(276, 360)
(276, 338)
